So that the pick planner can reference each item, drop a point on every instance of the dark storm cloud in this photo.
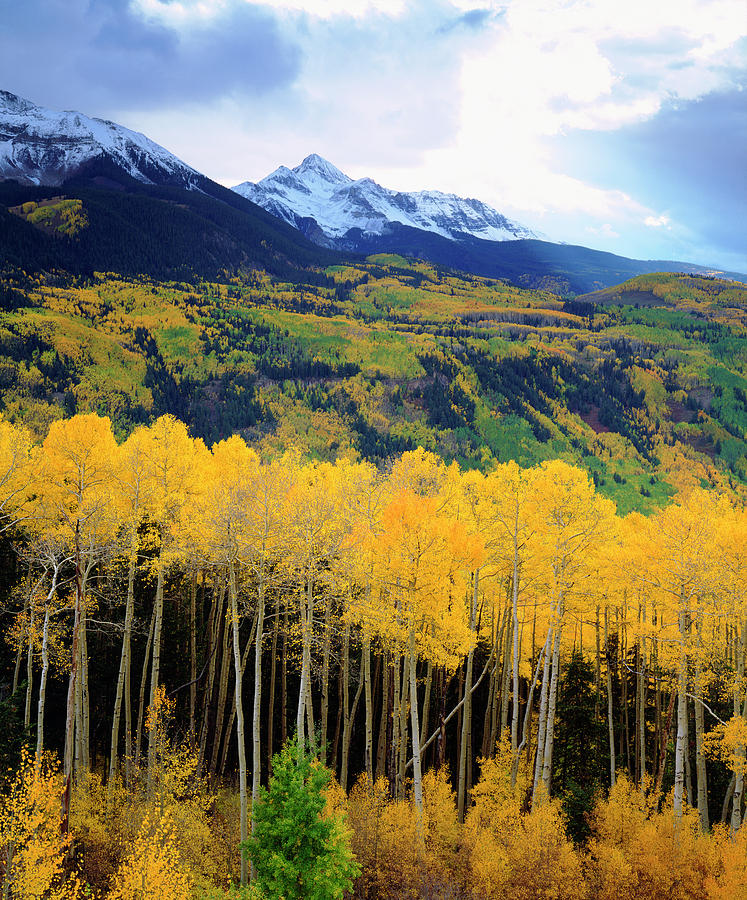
(689, 160)
(103, 54)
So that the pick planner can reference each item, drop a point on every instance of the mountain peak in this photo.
(314, 163)
(13, 104)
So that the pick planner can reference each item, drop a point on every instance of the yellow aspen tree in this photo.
(227, 482)
(682, 570)
(172, 480)
(571, 520)
(732, 562)
(74, 503)
(423, 560)
(355, 566)
(511, 489)
(131, 498)
(314, 531)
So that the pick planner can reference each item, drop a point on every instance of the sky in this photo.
(616, 124)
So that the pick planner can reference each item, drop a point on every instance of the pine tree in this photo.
(300, 851)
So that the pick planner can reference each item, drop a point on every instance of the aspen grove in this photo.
(517, 691)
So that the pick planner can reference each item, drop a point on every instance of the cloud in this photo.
(657, 221)
(688, 160)
(105, 56)
(605, 231)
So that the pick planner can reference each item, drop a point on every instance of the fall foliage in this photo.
(176, 613)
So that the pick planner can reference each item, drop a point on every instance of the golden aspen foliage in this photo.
(727, 742)
(16, 471)
(729, 880)
(395, 862)
(639, 852)
(167, 821)
(513, 853)
(153, 870)
(32, 846)
(422, 562)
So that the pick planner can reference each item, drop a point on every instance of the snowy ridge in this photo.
(42, 146)
(317, 190)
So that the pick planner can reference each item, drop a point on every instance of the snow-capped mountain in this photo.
(316, 190)
(45, 147)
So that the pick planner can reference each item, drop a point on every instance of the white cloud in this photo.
(184, 13)
(605, 231)
(657, 221)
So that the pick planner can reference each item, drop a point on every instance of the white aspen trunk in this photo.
(326, 650)
(515, 656)
(396, 720)
(305, 665)
(425, 717)
(404, 697)
(215, 641)
(271, 698)
(467, 707)
(193, 657)
(141, 694)
(71, 690)
(552, 701)
(345, 700)
(45, 667)
(85, 705)
(505, 678)
(679, 756)
(310, 713)
(232, 711)
(156, 664)
(348, 711)
(19, 654)
(123, 677)
(368, 751)
(417, 775)
(257, 708)
(222, 694)
(736, 808)
(610, 716)
(642, 678)
(238, 699)
(29, 666)
(500, 660)
(528, 713)
(701, 771)
(43, 685)
(542, 724)
(381, 749)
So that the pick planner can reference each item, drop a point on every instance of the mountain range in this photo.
(148, 212)
(327, 204)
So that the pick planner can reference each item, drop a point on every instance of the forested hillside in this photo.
(643, 388)
(476, 549)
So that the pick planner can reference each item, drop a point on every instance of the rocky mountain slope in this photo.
(43, 147)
